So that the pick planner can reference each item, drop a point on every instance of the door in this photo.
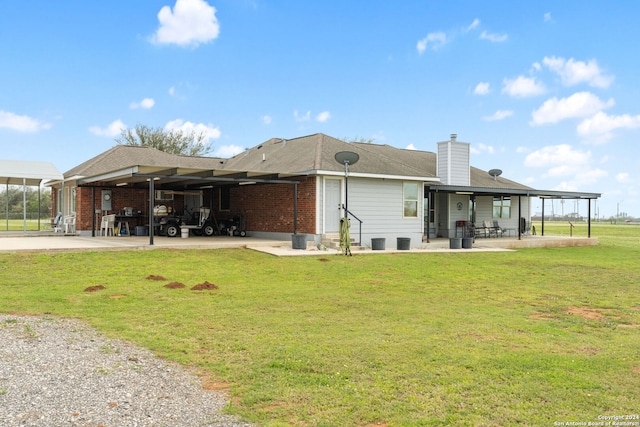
(332, 200)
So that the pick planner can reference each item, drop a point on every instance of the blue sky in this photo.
(547, 91)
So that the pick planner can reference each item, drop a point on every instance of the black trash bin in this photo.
(299, 241)
(467, 242)
(404, 243)
(455, 243)
(378, 243)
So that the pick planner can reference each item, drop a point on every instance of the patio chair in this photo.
(498, 230)
(56, 223)
(70, 224)
(490, 230)
(107, 225)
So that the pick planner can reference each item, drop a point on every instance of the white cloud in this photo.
(209, 131)
(473, 25)
(190, 23)
(622, 177)
(580, 104)
(482, 148)
(434, 41)
(495, 38)
(481, 88)
(21, 123)
(266, 119)
(547, 17)
(498, 115)
(145, 104)
(172, 91)
(601, 125)
(323, 117)
(562, 159)
(522, 87)
(410, 147)
(305, 118)
(574, 72)
(227, 151)
(112, 130)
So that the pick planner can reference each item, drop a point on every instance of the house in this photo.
(286, 186)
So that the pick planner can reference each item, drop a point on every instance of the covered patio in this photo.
(26, 174)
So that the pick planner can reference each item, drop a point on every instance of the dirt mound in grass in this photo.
(174, 285)
(323, 260)
(206, 286)
(154, 277)
(94, 288)
(586, 313)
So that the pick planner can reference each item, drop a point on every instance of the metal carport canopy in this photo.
(27, 173)
(180, 176)
(544, 194)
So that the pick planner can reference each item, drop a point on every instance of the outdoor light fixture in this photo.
(346, 158)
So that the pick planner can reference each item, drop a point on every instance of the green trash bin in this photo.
(455, 243)
(299, 241)
(404, 243)
(378, 243)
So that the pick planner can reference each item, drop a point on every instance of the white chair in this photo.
(56, 224)
(70, 224)
(107, 225)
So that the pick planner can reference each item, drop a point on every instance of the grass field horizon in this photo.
(529, 337)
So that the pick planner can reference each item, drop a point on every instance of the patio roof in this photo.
(21, 172)
(505, 191)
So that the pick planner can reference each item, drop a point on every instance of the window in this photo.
(502, 207)
(410, 196)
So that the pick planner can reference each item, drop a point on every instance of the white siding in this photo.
(453, 163)
(379, 204)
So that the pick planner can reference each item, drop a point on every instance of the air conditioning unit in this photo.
(163, 195)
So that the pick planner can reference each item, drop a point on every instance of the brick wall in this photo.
(120, 199)
(269, 207)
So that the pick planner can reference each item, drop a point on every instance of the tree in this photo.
(174, 141)
(360, 139)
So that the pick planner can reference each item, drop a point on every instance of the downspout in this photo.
(295, 208)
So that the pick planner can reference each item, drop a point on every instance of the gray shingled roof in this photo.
(314, 153)
(311, 154)
(125, 156)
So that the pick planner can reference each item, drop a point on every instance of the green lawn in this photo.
(18, 224)
(532, 337)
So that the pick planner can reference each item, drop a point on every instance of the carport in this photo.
(190, 177)
(26, 173)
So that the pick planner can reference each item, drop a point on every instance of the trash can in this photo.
(467, 242)
(185, 232)
(299, 241)
(378, 244)
(455, 243)
(142, 230)
(404, 243)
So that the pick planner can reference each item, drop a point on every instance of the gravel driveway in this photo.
(60, 372)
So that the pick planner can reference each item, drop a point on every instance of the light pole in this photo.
(346, 158)
(618, 209)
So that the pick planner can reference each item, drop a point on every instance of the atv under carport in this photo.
(198, 223)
